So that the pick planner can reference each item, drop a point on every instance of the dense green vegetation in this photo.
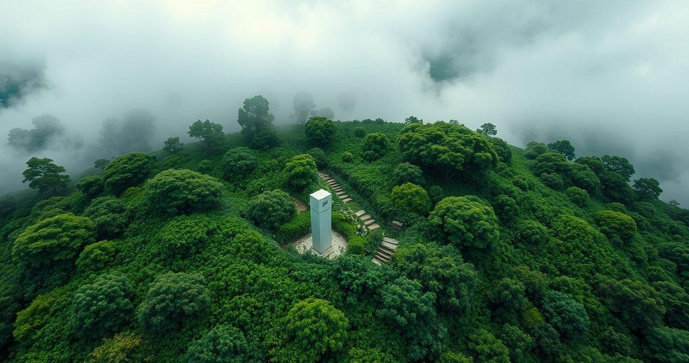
(505, 255)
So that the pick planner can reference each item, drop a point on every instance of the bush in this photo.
(506, 208)
(552, 180)
(91, 186)
(173, 299)
(184, 235)
(58, 238)
(265, 140)
(206, 166)
(271, 209)
(101, 308)
(375, 146)
(126, 171)
(411, 198)
(222, 344)
(34, 317)
(319, 156)
(532, 232)
(320, 130)
(96, 257)
(238, 163)
(301, 172)
(578, 196)
(359, 132)
(172, 145)
(566, 315)
(618, 227)
(296, 227)
(522, 183)
(535, 149)
(183, 191)
(123, 347)
(357, 245)
(464, 222)
(408, 173)
(347, 157)
(109, 214)
(502, 148)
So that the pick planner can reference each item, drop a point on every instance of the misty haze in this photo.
(410, 113)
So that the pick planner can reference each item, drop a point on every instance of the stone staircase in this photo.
(337, 189)
(369, 222)
(385, 251)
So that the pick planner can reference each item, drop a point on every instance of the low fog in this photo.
(611, 76)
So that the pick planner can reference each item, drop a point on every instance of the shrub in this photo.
(101, 308)
(618, 227)
(265, 140)
(123, 347)
(301, 172)
(319, 156)
(410, 197)
(238, 163)
(464, 222)
(296, 227)
(502, 148)
(347, 157)
(34, 317)
(535, 149)
(578, 196)
(96, 257)
(58, 238)
(172, 145)
(552, 180)
(109, 214)
(184, 235)
(183, 191)
(271, 209)
(359, 132)
(532, 232)
(522, 183)
(91, 186)
(126, 171)
(408, 173)
(222, 344)
(357, 245)
(566, 315)
(173, 299)
(311, 328)
(206, 166)
(375, 146)
(506, 208)
(320, 130)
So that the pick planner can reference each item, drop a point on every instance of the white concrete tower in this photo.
(321, 220)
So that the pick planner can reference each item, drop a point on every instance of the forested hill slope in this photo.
(505, 255)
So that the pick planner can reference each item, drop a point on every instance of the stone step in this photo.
(331, 181)
(382, 257)
(369, 222)
(337, 188)
(341, 194)
(360, 213)
(388, 245)
(364, 217)
(390, 240)
(384, 252)
(377, 261)
(373, 227)
(346, 200)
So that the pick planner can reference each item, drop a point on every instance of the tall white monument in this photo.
(321, 220)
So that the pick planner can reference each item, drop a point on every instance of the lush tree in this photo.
(109, 214)
(618, 227)
(503, 149)
(123, 347)
(440, 270)
(183, 191)
(347, 157)
(593, 162)
(578, 196)
(564, 147)
(101, 164)
(412, 120)
(566, 315)
(265, 140)
(324, 112)
(676, 301)
(91, 186)
(172, 300)
(506, 208)
(126, 171)
(47, 130)
(101, 308)
(318, 156)
(34, 317)
(238, 163)
(96, 257)
(487, 129)
(173, 145)
(320, 130)
(616, 188)
(507, 299)
(358, 276)
(408, 173)
(374, 146)
(410, 197)
(271, 209)
(667, 345)
(45, 175)
(647, 189)
(303, 105)
(210, 132)
(637, 304)
(53, 239)
(535, 149)
(532, 232)
(619, 165)
(486, 348)
(255, 116)
(7, 206)
(518, 342)
(301, 172)
(359, 132)
(311, 328)
(464, 222)
(447, 149)
(222, 344)
(552, 163)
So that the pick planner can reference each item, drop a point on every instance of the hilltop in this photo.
(505, 254)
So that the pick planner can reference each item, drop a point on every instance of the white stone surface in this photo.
(338, 247)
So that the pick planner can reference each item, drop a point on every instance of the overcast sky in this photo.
(612, 76)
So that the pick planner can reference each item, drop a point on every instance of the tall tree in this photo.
(303, 105)
(647, 189)
(488, 129)
(564, 147)
(255, 116)
(619, 165)
(210, 132)
(45, 175)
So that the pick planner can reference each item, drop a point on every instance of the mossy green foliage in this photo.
(505, 267)
(301, 172)
(410, 197)
(182, 191)
(319, 130)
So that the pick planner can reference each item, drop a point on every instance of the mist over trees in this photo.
(133, 132)
(47, 130)
(18, 79)
(303, 105)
